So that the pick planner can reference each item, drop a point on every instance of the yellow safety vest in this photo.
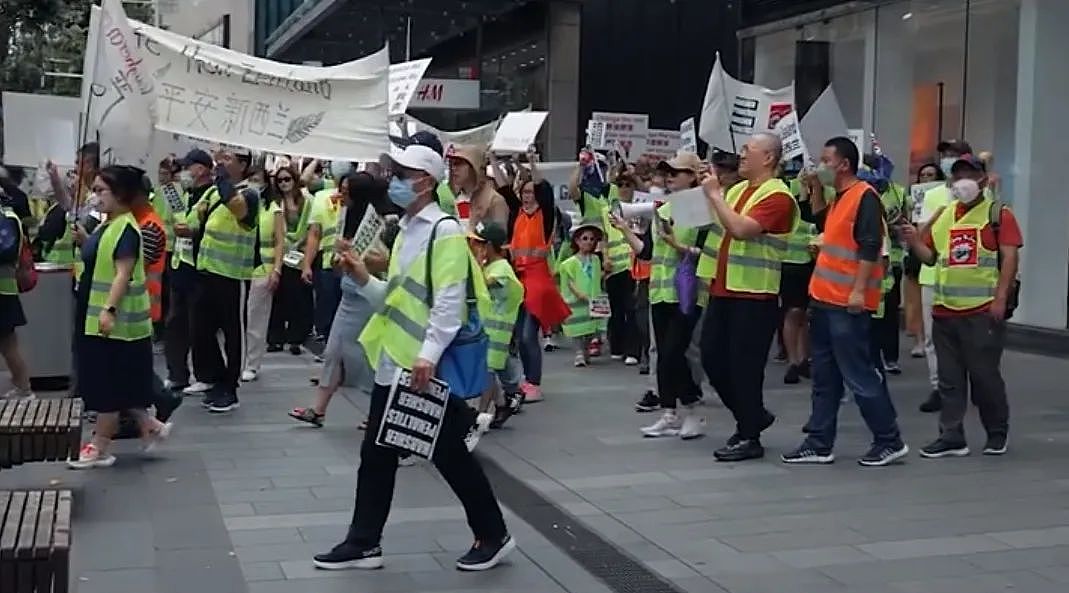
(9, 284)
(754, 265)
(966, 272)
(133, 319)
(580, 323)
(227, 248)
(265, 230)
(500, 317)
(665, 258)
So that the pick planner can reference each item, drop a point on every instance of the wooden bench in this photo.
(39, 430)
(35, 539)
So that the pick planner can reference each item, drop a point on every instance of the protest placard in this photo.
(662, 145)
(600, 308)
(790, 134)
(624, 131)
(411, 420)
(38, 128)
(917, 191)
(369, 231)
(734, 110)
(404, 82)
(518, 131)
(690, 208)
(688, 138)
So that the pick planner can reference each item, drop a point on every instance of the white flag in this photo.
(822, 122)
(125, 124)
(734, 110)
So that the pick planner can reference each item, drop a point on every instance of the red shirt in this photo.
(1009, 235)
(774, 214)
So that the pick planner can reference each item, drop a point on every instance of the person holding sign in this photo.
(408, 333)
(580, 284)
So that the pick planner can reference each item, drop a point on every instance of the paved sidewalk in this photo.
(241, 503)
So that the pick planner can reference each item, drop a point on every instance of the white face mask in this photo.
(965, 190)
(185, 178)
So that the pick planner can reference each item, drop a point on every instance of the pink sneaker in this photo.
(531, 393)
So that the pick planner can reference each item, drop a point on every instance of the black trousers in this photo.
(969, 349)
(736, 337)
(641, 316)
(672, 331)
(622, 331)
(182, 287)
(378, 474)
(219, 306)
(291, 310)
(888, 328)
(159, 328)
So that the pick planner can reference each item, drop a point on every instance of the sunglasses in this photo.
(284, 179)
(586, 238)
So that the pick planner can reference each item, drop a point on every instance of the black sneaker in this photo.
(224, 403)
(740, 451)
(514, 401)
(274, 348)
(880, 455)
(792, 376)
(486, 555)
(649, 402)
(166, 403)
(804, 370)
(934, 403)
(209, 398)
(770, 418)
(892, 368)
(780, 357)
(996, 445)
(644, 368)
(295, 349)
(806, 454)
(940, 448)
(501, 416)
(346, 555)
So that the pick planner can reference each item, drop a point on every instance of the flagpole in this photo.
(76, 201)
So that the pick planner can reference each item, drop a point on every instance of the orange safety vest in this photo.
(529, 244)
(153, 271)
(838, 262)
(640, 270)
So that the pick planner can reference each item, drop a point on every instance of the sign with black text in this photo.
(411, 420)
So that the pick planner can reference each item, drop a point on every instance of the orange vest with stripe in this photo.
(153, 271)
(528, 245)
(838, 261)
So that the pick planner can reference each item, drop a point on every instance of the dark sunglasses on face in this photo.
(284, 179)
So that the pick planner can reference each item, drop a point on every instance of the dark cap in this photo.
(970, 162)
(723, 159)
(197, 157)
(490, 232)
(954, 146)
(428, 139)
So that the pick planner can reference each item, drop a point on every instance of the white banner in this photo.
(124, 111)
(209, 92)
(624, 131)
(662, 145)
(734, 110)
(822, 122)
(404, 81)
(518, 131)
(478, 136)
(688, 139)
(39, 128)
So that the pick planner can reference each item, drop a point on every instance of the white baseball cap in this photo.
(419, 158)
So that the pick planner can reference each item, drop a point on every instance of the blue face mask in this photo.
(401, 192)
(946, 164)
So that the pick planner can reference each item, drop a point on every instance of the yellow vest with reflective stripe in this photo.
(754, 265)
(447, 201)
(399, 327)
(798, 243)
(227, 249)
(9, 284)
(63, 251)
(499, 318)
(886, 285)
(617, 250)
(894, 202)
(265, 229)
(666, 259)
(133, 320)
(580, 323)
(183, 246)
(329, 226)
(966, 272)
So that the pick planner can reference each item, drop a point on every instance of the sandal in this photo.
(308, 415)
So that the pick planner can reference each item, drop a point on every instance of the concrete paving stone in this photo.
(129, 545)
(1018, 559)
(795, 581)
(991, 582)
(698, 584)
(280, 552)
(793, 540)
(189, 527)
(254, 537)
(307, 505)
(822, 556)
(671, 569)
(394, 564)
(636, 504)
(241, 485)
(727, 472)
(262, 571)
(271, 495)
(344, 581)
(142, 580)
(618, 480)
(1057, 574)
(328, 492)
(536, 564)
(1034, 538)
(664, 517)
(715, 565)
(273, 470)
(309, 481)
(204, 569)
(612, 529)
(238, 509)
(936, 546)
(581, 509)
(885, 571)
(287, 520)
(644, 551)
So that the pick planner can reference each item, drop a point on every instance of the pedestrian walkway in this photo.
(241, 503)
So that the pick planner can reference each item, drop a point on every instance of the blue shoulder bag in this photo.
(463, 365)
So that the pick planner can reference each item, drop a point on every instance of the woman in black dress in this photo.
(114, 330)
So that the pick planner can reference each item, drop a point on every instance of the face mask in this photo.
(185, 178)
(946, 164)
(401, 192)
(965, 190)
(826, 175)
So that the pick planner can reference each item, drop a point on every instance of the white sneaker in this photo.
(668, 425)
(91, 457)
(481, 426)
(19, 394)
(693, 427)
(248, 376)
(198, 388)
(157, 439)
(631, 361)
(616, 356)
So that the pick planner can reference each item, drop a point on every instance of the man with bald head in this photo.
(750, 242)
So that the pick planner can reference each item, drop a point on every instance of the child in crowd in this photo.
(580, 284)
(487, 242)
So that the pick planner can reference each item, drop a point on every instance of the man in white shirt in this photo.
(414, 175)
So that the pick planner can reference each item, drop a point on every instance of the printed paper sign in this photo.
(790, 134)
(206, 91)
(688, 139)
(518, 131)
(734, 110)
(599, 307)
(404, 82)
(595, 135)
(917, 191)
(690, 208)
(412, 420)
(662, 145)
(38, 128)
(857, 135)
(369, 231)
(625, 131)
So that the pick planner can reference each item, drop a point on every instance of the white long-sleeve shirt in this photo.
(445, 316)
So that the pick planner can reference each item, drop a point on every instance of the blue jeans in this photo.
(529, 344)
(327, 296)
(840, 346)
